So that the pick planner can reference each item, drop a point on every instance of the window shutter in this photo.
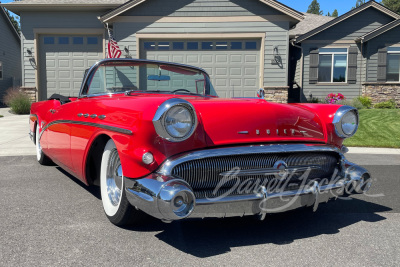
(382, 58)
(314, 62)
(352, 68)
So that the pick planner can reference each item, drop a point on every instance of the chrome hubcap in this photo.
(114, 178)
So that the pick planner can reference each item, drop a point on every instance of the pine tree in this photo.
(335, 14)
(314, 8)
(394, 5)
(13, 21)
(359, 3)
(328, 15)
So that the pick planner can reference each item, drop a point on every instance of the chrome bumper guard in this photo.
(168, 198)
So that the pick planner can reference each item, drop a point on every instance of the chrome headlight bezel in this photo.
(338, 121)
(159, 119)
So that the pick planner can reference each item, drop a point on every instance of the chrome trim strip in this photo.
(97, 125)
(167, 166)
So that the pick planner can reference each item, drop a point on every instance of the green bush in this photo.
(365, 101)
(391, 104)
(353, 103)
(18, 101)
(314, 100)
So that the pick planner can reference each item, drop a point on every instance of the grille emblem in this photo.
(282, 169)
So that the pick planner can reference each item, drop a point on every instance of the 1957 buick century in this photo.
(157, 140)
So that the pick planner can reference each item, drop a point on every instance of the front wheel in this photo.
(113, 196)
(41, 157)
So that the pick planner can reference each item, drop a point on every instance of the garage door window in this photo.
(92, 40)
(163, 46)
(78, 40)
(63, 40)
(206, 45)
(150, 45)
(221, 45)
(251, 45)
(236, 45)
(1, 70)
(177, 46)
(48, 40)
(192, 45)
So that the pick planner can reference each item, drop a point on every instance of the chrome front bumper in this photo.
(161, 196)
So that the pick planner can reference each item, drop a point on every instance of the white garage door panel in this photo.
(233, 65)
(63, 60)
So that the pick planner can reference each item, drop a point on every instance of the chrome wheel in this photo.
(114, 178)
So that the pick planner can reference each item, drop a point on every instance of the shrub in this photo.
(353, 103)
(391, 104)
(18, 101)
(314, 100)
(365, 101)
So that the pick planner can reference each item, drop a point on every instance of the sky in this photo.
(302, 5)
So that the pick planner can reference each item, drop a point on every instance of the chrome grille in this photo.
(204, 174)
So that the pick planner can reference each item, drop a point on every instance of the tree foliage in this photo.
(335, 14)
(394, 5)
(359, 3)
(13, 21)
(314, 8)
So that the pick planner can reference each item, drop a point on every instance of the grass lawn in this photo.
(378, 128)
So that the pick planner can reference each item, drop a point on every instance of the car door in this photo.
(59, 134)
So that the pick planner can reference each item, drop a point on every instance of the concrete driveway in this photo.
(14, 135)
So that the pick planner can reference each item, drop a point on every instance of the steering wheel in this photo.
(184, 90)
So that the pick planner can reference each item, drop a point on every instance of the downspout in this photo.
(301, 61)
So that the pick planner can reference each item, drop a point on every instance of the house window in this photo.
(332, 66)
(1, 70)
(393, 64)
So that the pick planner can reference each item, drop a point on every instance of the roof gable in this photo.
(370, 4)
(9, 23)
(132, 3)
(378, 31)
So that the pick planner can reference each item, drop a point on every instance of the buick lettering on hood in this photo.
(158, 141)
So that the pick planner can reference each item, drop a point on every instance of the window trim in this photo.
(332, 56)
(1, 71)
(387, 61)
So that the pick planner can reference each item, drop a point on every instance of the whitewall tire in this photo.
(40, 156)
(113, 196)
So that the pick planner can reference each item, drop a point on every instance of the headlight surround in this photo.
(346, 121)
(175, 120)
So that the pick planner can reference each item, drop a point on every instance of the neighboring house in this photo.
(344, 55)
(243, 44)
(10, 54)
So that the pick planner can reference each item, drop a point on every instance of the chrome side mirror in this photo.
(260, 93)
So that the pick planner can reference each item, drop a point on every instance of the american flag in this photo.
(113, 48)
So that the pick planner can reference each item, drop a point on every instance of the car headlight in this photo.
(346, 121)
(175, 120)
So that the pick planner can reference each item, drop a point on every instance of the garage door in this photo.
(63, 60)
(233, 65)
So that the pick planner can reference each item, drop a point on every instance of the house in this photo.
(10, 54)
(355, 54)
(242, 44)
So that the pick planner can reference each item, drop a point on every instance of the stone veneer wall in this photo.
(31, 92)
(276, 94)
(380, 92)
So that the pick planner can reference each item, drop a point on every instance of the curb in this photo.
(373, 150)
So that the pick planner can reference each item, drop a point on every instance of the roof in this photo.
(378, 31)
(346, 16)
(310, 22)
(40, 5)
(9, 23)
(272, 3)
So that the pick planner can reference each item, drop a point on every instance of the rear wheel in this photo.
(41, 157)
(113, 196)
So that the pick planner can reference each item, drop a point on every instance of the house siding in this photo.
(391, 37)
(36, 20)
(276, 30)
(342, 35)
(10, 56)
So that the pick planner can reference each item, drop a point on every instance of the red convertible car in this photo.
(158, 140)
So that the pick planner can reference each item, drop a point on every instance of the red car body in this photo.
(71, 129)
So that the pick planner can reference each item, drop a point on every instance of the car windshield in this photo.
(126, 76)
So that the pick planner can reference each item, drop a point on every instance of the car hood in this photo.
(228, 121)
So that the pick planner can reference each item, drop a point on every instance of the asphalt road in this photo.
(49, 218)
